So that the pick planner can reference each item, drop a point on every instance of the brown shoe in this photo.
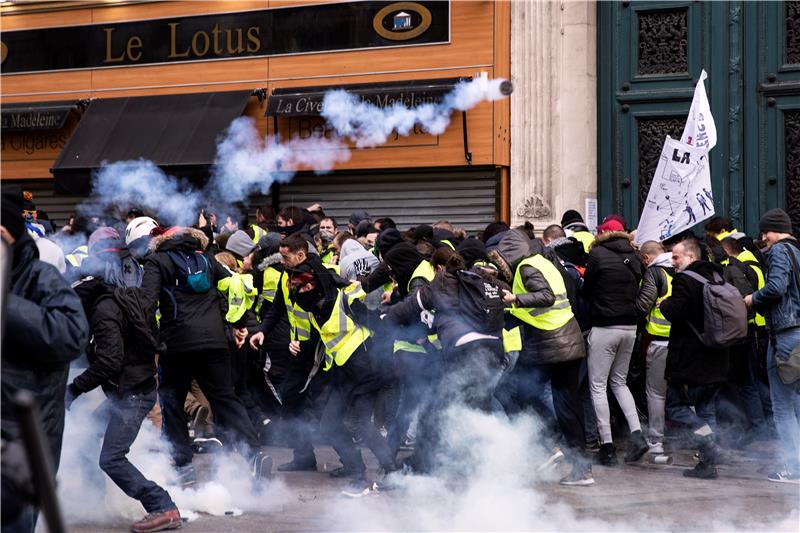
(169, 519)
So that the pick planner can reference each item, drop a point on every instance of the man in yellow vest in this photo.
(552, 347)
(358, 371)
(574, 226)
(656, 286)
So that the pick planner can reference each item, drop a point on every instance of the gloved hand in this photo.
(72, 393)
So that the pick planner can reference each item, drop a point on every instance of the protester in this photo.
(779, 299)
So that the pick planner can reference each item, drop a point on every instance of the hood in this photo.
(616, 241)
(569, 249)
(90, 290)
(492, 241)
(662, 260)
(352, 247)
(270, 260)
(472, 250)
(387, 239)
(705, 268)
(514, 247)
(191, 237)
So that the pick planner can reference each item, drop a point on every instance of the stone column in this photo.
(553, 109)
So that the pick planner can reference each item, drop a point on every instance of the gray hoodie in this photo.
(355, 261)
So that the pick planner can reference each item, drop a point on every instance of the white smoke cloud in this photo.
(248, 163)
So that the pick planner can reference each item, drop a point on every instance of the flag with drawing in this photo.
(680, 194)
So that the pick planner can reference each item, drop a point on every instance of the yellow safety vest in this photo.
(544, 318)
(512, 340)
(77, 256)
(258, 232)
(327, 256)
(656, 323)
(332, 268)
(426, 271)
(241, 294)
(272, 276)
(340, 334)
(299, 319)
(586, 238)
(747, 257)
(449, 244)
(722, 234)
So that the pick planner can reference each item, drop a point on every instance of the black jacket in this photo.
(45, 329)
(611, 281)
(122, 352)
(189, 321)
(689, 360)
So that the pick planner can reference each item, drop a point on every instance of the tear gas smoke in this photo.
(87, 495)
(247, 163)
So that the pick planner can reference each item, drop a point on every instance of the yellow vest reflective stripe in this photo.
(722, 234)
(586, 238)
(747, 257)
(77, 256)
(656, 323)
(299, 320)
(512, 340)
(424, 270)
(544, 318)
(449, 244)
(241, 294)
(340, 334)
(405, 346)
(269, 289)
(258, 232)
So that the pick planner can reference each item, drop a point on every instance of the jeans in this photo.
(125, 418)
(785, 399)
(656, 390)
(755, 393)
(417, 376)
(680, 398)
(610, 352)
(212, 370)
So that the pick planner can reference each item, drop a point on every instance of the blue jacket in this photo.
(779, 299)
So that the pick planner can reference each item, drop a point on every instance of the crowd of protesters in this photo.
(295, 329)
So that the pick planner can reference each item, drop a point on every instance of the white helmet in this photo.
(139, 227)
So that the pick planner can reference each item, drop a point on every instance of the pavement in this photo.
(638, 497)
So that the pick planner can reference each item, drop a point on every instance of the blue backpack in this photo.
(192, 271)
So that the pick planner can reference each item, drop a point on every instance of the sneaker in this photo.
(592, 446)
(608, 455)
(579, 478)
(702, 471)
(784, 477)
(552, 461)
(187, 477)
(656, 448)
(200, 421)
(309, 465)
(407, 444)
(343, 472)
(357, 487)
(637, 447)
(207, 445)
(169, 519)
(261, 466)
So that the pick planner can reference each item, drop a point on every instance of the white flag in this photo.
(680, 194)
(700, 130)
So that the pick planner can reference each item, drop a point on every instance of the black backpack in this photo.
(481, 302)
(191, 271)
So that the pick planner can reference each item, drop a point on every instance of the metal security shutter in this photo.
(466, 198)
(58, 207)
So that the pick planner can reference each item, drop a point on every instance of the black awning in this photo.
(172, 131)
(307, 101)
(36, 116)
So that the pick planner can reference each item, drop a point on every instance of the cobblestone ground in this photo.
(641, 496)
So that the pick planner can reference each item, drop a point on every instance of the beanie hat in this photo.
(570, 217)
(618, 218)
(493, 229)
(357, 216)
(105, 239)
(776, 220)
(270, 242)
(11, 216)
(240, 244)
(610, 225)
(387, 239)
(423, 232)
(472, 250)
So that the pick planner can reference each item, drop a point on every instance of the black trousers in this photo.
(212, 370)
(349, 411)
(568, 426)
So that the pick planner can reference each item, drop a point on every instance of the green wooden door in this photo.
(650, 55)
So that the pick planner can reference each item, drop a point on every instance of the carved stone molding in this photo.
(534, 207)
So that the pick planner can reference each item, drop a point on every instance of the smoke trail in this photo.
(247, 163)
(368, 125)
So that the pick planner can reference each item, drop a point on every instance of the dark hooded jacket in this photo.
(611, 280)
(403, 259)
(189, 321)
(688, 359)
(45, 329)
(122, 351)
(538, 347)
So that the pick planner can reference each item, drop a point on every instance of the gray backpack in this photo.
(724, 313)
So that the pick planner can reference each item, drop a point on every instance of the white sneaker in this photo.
(554, 459)
(656, 448)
